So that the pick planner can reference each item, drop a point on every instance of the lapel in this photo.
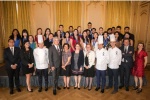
(55, 49)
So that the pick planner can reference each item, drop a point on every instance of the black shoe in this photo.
(89, 89)
(114, 92)
(46, 89)
(75, 87)
(40, 89)
(102, 91)
(139, 90)
(127, 88)
(78, 88)
(54, 92)
(58, 88)
(64, 87)
(30, 90)
(68, 87)
(18, 89)
(11, 92)
(121, 86)
(97, 88)
(135, 87)
(108, 87)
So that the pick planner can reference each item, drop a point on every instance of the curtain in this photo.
(15, 16)
(24, 16)
(68, 13)
(117, 13)
(10, 18)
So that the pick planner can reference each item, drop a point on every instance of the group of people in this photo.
(88, 53)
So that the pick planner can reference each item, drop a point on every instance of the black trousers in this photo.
(11, 74)
(55, 75)
(40, 73)
(124, 75)
(113, 75)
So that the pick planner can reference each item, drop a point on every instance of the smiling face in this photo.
(30, 38)
(27, 45)
(140, 46)
(113, 44)
(88, 47)
(11, 43)
(77, 47)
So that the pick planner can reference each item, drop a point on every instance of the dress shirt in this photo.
(115, 57)
(102, 59)
(12, 50)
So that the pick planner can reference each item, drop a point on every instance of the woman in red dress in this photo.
(139, 65)
(74, 39)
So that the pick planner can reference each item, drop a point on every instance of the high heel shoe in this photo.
(64, 87)
(30, 90)
(75, 87)
(139, 90)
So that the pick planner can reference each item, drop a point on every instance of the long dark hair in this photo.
(18, 35)
(85, 37)
(37, 31)
(73, 33)
(25, 31)
(119, 39)
(46, 30)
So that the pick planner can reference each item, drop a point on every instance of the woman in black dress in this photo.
(66, 65)
(27, 60)
(89, 69)
(77, 62)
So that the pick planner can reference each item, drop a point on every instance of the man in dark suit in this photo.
(126, 64)
(12, 61)
(55, 60)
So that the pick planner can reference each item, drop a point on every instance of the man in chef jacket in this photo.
(42, 63)
(102, 59)
(115, 57)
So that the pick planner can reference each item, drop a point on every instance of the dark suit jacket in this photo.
(80, 59)
(11, 59)
(25, 60)
(55, 59)
(128, 56)
(47, 43)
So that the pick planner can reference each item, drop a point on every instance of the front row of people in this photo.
(77, 63)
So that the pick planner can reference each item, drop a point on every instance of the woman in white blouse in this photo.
(89, 69)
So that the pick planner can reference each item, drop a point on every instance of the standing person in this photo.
(55, 60)
(25, 36)
(71, 30)
(89, 69)
(115, 57)
(118, 39)
(49, 42)
(94, 41)
(32, 42)
(102, 59)
(118, 29)
(66, 65)
(27, 60)
(39, 32)
(79, 31)
(139, 66)
(84, 40)
(46, 34)
(106, 40)
(12, 60)
(62, 33)
(77, 62)
(42, 62)
(66, 39)
(126, 64)
(16, 37)
(100, 31)
(74, 40)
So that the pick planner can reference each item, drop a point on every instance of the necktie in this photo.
(126, 49)
(12, 51)
(58, 49)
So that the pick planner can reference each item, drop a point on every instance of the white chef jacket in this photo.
(91, 58)
(115, 57)
(41, 58)
(102, 59)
